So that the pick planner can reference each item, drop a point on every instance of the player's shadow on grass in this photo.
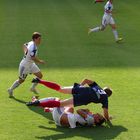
(36, 109)
(95, 133)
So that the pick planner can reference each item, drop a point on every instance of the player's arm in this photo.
(24, 47)
(37, 60)
(106, 114)
(86, 81)
(69, 109)
(83, 112)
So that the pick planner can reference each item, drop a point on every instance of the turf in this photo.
(71, 55)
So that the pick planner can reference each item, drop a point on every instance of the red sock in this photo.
(50, 84)
(50, 103)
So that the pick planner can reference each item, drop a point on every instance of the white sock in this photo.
(34, 85)
(95, 29)
(15, 85)
(115, 34)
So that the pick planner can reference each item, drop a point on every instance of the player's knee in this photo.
(113, 27)
(40, 76)
(21, 81)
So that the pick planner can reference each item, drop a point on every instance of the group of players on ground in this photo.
(83, 93)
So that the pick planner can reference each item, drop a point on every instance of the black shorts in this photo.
(83, 96)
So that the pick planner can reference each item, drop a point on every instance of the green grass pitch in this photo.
(71, 55)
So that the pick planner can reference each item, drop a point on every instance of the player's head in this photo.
(108, 91)
(36, 37)
(111, 1)
(99, 119)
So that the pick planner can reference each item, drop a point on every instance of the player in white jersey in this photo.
(107, 20)
(65, 116)
(27, 64)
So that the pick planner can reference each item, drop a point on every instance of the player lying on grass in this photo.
(107, 20)
(65, 116)
(27, 64)
(82, 94)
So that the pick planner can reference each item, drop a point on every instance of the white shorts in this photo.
(57, 113)
(27, 68)
(107, 19)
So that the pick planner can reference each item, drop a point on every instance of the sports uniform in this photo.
(73, 119)
(27, 65)
(107, 20)
(107, 17)
(86, 95)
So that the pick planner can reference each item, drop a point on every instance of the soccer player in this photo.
(82, 95)
(27, 64)
(107, 20)
(65, 116)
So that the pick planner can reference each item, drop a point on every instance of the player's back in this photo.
(31, 51)
(108, 8)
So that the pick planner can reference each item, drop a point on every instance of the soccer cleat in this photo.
(35, 80)
(10, 92)
(35, 103)
(119, 40)
(34, 90)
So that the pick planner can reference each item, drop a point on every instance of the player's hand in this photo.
(111, 117)
(42, 62)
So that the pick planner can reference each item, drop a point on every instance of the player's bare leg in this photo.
(114, 30)
(96, 29)
(54, 86)
(14, 86)
(51, 103)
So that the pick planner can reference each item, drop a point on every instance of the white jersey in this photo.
(107, 17)
(27, 65)
(56, 114)
(31, 51)
(108, 8)
(73, 119)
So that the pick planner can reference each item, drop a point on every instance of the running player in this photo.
(27, 64)
(107, 20)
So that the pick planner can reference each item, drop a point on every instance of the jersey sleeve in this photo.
(26, 44)
(93, 84)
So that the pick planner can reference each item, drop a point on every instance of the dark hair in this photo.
(36, 35)
(108, 91)
(100, 122)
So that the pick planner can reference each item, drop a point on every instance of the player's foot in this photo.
(34, 98)
(119, 40)
(10, 92)
(36, 103)
(34, 90)
(89, 31)
(35, 80)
